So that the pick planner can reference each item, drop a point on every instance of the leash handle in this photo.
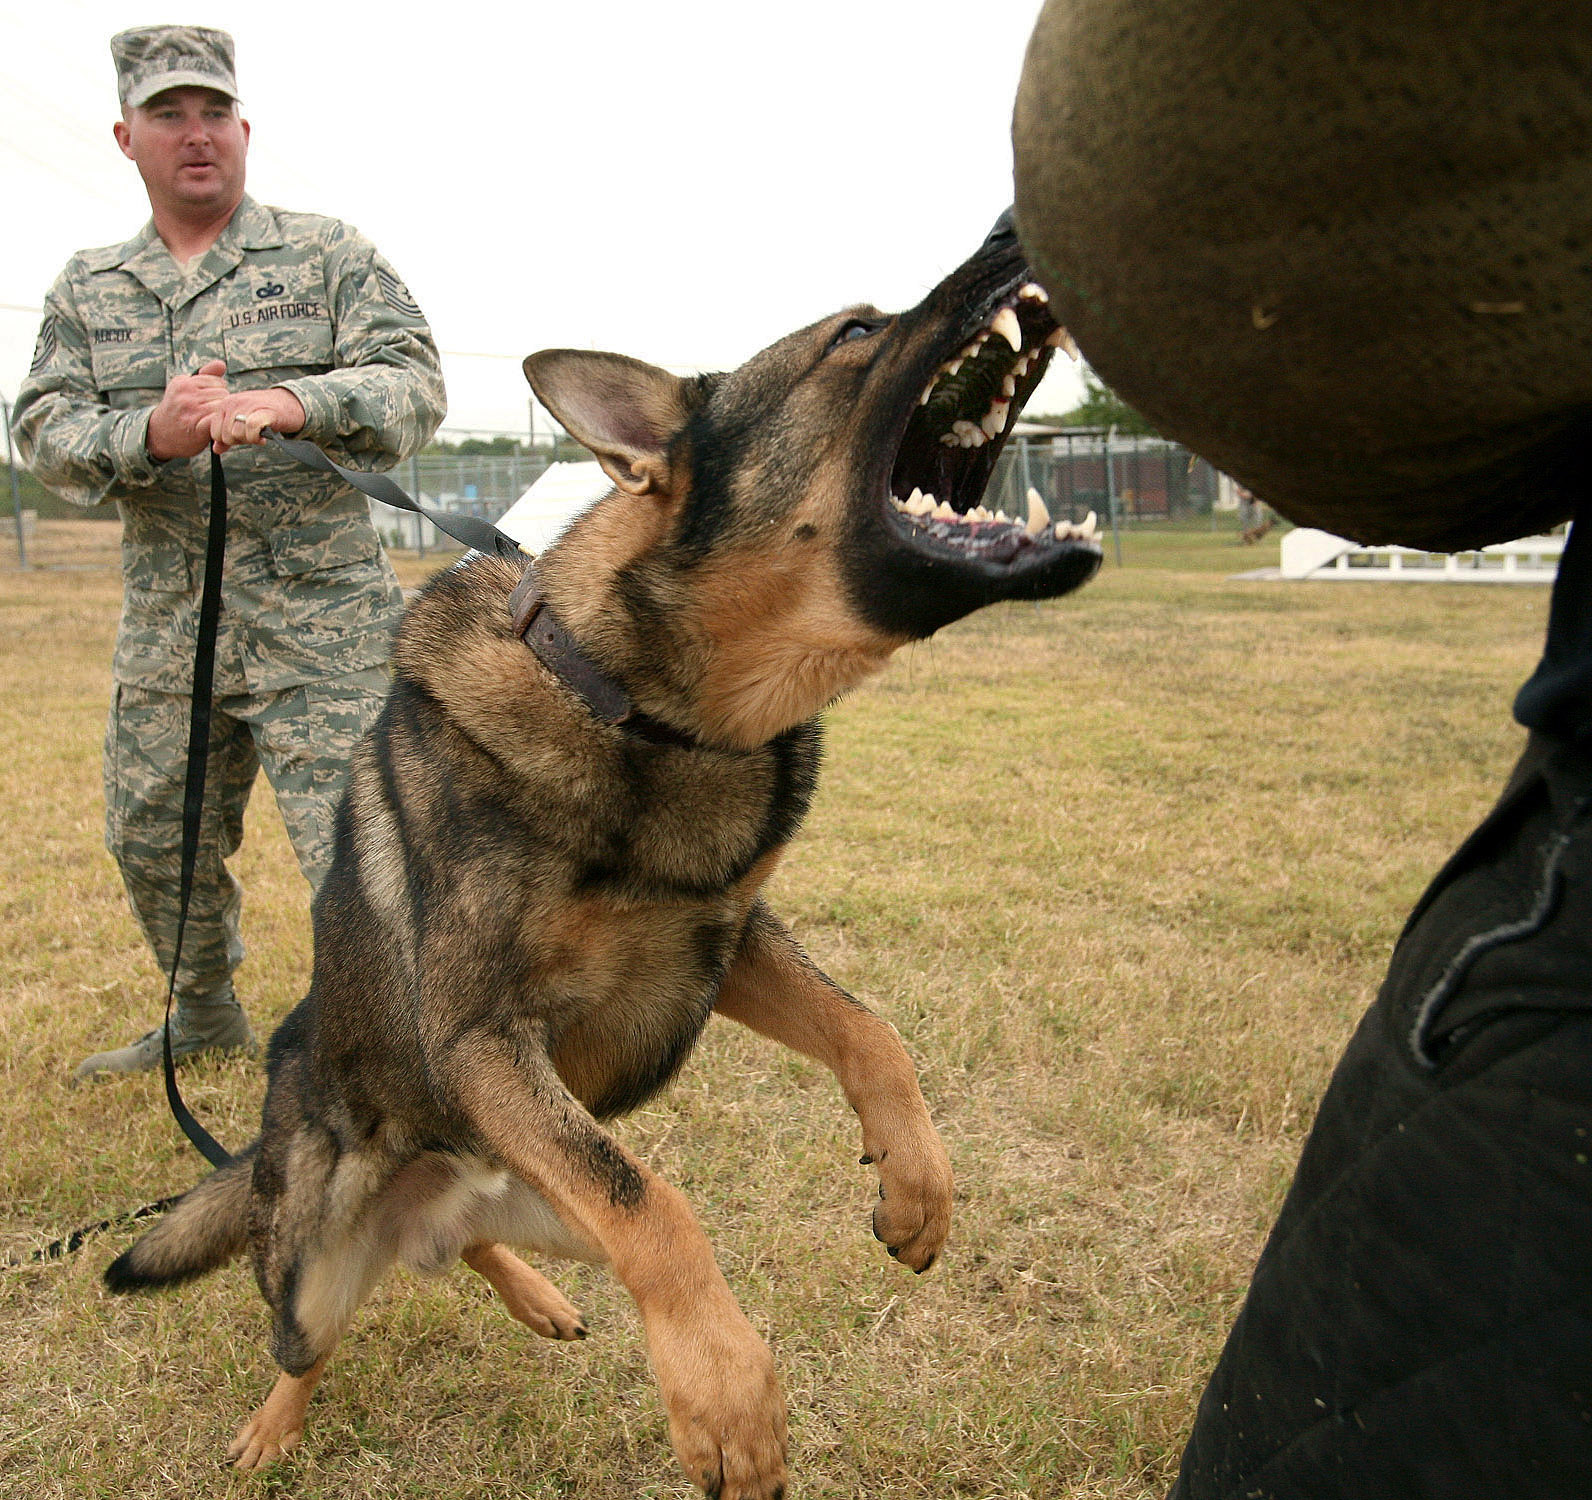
(193, 793)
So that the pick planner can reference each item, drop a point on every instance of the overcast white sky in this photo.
(684, 182)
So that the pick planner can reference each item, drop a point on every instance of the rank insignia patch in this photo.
(396, 293)
(44, 350)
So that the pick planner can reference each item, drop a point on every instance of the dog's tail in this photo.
(203, 1229)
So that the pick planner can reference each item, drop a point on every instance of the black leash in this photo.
(540, 631)
(469, 530)
(472, 531)
(193, 800)
(193, 794)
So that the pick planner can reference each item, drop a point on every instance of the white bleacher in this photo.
(1307, 553)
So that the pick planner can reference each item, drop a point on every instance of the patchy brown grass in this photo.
(1124, 870)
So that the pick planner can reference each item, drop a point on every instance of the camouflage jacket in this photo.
(287, 299)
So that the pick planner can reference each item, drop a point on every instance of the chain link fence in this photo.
(1131, 480)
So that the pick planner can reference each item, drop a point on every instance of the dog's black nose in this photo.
(1003, 234)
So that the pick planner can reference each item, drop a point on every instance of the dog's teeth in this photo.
(928, 391)
(1038, 516)
(1062, 340)
(951, 366)
(1003, 518)
(950, 439)
(919, 504)
(1033, 292)
(899, 504)
(995, 418)
(1005, 323)
(1008, 387)
(943, 512)
(1020, 369)
(1090, 525)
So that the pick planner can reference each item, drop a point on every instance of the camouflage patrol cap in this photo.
(151, 59)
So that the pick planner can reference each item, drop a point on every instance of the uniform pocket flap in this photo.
(127, 365)
(301, 344)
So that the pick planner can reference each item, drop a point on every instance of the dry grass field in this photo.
(1124, 870)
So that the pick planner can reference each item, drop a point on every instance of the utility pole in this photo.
(16, 489)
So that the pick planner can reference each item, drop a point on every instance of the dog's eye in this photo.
(853, 328)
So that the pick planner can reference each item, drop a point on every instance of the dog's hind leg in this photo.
(316, 1256)
(528, 1295)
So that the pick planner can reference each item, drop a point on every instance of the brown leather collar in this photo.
(556, 649)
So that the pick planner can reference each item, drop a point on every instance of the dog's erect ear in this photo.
(625, 411)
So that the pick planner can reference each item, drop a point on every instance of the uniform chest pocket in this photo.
(129, 364)
(279, 342)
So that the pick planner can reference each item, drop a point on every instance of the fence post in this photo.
(16, 490)
(414, 489)
(1111, 493)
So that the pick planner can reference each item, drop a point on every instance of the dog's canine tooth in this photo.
(995, 419)
(1038, 515)
(1089, 526)
(1005, 323)
(1061, 339)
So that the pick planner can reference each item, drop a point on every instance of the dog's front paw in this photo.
(261, 1441)
(726, 1410)
(913, 1214)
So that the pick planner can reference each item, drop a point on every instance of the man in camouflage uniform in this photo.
(221, 317)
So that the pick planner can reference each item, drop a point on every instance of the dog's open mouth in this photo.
(963, 418)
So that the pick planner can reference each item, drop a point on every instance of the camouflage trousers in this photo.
(302, 736)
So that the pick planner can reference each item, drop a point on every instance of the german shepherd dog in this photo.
(551, 847)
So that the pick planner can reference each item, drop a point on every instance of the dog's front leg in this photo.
(774, 988)
(726, 1411)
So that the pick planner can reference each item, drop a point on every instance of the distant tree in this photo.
(501, 446)
(35, 497)
(1102, 407)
